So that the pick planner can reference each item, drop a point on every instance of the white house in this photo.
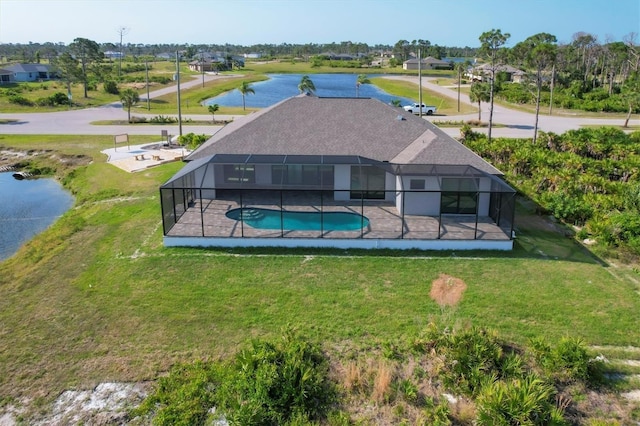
(31, 72)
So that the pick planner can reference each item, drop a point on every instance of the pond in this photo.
(282, 86)
(28, 207)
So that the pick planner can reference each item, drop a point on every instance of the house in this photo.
(6, 76)
(32, 72)
(336, 172)
(512, 74)
(111, 54)
(206, 65)
(428, 63)
(252, 55)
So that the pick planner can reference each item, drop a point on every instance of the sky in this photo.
(247, 22)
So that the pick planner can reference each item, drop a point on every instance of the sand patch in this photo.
(447, 290)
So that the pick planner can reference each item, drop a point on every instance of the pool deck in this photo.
(207, 218)
(135, 158)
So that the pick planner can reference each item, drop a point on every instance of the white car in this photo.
(414, 108)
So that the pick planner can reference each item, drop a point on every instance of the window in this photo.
(239, 173)
(367, 182)
(305, 175)
(416, 184)
(459, 196)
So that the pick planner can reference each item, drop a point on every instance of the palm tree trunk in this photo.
(539, 87)
(493, 77)
(479, 113)
(626, 121)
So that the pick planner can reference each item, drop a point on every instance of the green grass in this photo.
(97, 297)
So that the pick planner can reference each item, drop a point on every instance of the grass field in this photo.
(98, 298)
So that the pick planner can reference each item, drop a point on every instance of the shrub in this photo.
(277, 382)
(161, 119)
(192, 141)
(526, 401)
(435, 414)
(20, 100)
(111, 87)
(184, 397)
(136, 119)
(567, 361)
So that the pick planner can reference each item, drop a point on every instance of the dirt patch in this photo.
(447, 290)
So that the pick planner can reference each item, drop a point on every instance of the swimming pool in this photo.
(299, 221)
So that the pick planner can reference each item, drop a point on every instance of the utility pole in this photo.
(146, 68)
(202, 66)
(123, 31)
(178, 80)
(420, 81)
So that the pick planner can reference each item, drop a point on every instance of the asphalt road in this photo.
(517, 124)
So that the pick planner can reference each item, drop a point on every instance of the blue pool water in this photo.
(299, 221)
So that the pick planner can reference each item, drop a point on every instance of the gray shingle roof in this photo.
(308, 125)
(28, 68)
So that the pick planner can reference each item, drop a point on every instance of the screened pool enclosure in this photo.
(335, 201)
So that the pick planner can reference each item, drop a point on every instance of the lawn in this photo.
(98, 298)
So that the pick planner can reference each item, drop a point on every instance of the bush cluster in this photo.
(575, 96)
(192, 141)
(588, 177)
(288, 382)
(269, 383)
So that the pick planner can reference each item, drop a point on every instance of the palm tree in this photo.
(306, 85)
(245, 88)
(129, 98)
(362, 79)
(212, 110)
(480, 92)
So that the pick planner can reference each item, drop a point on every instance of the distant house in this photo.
(253, 55)
(336, 172)
(480, 72)
(206, 65)
(428, 63)
(110, 54)
(32, 72)
(6, 76)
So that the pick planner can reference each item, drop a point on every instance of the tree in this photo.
(480, 92)
(537, 52)
(212, 110)
(306, 85)
(69, 70)
(631, 94)
(362, 79)
(245, 89)
(490, 43)
(87, 52)
(129, 98)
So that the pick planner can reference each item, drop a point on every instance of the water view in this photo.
(283, 86)
(28, 207)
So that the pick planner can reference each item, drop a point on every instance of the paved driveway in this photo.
(519, 124)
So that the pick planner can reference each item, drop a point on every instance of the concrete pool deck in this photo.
(135, 158)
